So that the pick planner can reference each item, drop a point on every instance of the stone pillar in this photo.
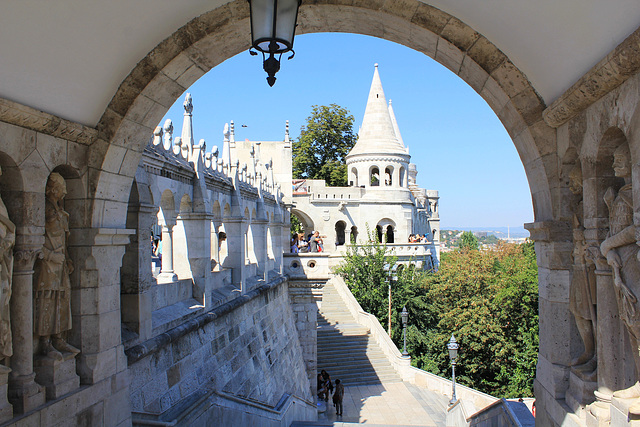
(136, 275)
(215, 246)
(558, 334)
(197, 228)
(235, 229)
(166, 273)
(260, 246)
(96, 328)
(24, 393)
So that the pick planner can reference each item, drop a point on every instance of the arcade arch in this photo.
(212, 37)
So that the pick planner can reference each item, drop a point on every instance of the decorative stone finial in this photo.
(375, 65)
(286, 132)
(188, 105)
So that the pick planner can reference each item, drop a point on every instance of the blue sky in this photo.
(457, 142)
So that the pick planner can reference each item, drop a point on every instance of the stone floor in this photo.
(397, 404)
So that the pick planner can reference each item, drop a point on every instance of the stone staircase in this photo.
(345, 348)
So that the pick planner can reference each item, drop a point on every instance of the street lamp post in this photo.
(391, 276)
(405, 320)
(453, 355)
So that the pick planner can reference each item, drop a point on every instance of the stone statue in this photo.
(620, 250)
(582, 292)
(7, 240)
(52, 287)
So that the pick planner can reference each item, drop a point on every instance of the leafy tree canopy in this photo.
(468, 241)
(487, 299)
(324, 142)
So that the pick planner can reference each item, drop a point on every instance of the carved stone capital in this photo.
(30, 118)
(550, 231)
(23, 259)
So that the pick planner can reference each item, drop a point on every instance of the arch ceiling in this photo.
(68, 57)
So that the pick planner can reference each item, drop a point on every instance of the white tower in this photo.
(379, 160)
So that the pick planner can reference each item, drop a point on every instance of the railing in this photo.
(314, 265)
(501, 413)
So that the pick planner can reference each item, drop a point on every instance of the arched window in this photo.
(379, 233)
(340, 233)
(401, 178)
(374, 176)
(354, 177)
(354, 235)
(388, 176)
(390, 234)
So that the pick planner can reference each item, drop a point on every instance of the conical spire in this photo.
(396, 129)
(377, 133)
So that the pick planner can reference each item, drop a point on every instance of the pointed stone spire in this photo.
(396, 129)
(377, 134)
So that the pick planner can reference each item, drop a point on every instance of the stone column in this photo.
(610, 335)
(166, 273)
(197, 228)
(24, 393)
(260, 246)
(136, 274)
(558, 335)
(96, 328)
(235, 229)
(215, 246)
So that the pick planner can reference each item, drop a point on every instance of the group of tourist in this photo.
(417, 238)
(313, 243)
(325, 388)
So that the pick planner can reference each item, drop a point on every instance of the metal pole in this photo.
(389, 305)
(453, 384)
(404, 348)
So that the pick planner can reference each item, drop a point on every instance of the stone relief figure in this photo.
(582, 291)
(52, 286)
(7, 240)
(621, 251)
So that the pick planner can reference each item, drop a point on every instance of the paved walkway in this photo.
(397, 404)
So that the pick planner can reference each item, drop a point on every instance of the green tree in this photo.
(489, 300)
(468, 241)
(296, 225)
(324, 142)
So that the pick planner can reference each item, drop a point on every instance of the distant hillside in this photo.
(499, 232)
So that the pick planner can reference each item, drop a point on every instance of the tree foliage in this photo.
(468, 241)
(324, 142)
(487, 299)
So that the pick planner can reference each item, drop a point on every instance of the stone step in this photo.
(345, 348)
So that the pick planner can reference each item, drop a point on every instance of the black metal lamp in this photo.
(453, 346)
(405, 321)
(273, 26)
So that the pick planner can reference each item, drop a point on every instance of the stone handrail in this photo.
(402, 365)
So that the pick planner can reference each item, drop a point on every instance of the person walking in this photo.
(338, 395)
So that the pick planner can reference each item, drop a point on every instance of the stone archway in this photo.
(176, 63)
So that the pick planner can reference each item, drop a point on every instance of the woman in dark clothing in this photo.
(338, 396)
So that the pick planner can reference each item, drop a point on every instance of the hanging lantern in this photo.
(273, 26)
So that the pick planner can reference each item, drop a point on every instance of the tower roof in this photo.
(377, 134)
